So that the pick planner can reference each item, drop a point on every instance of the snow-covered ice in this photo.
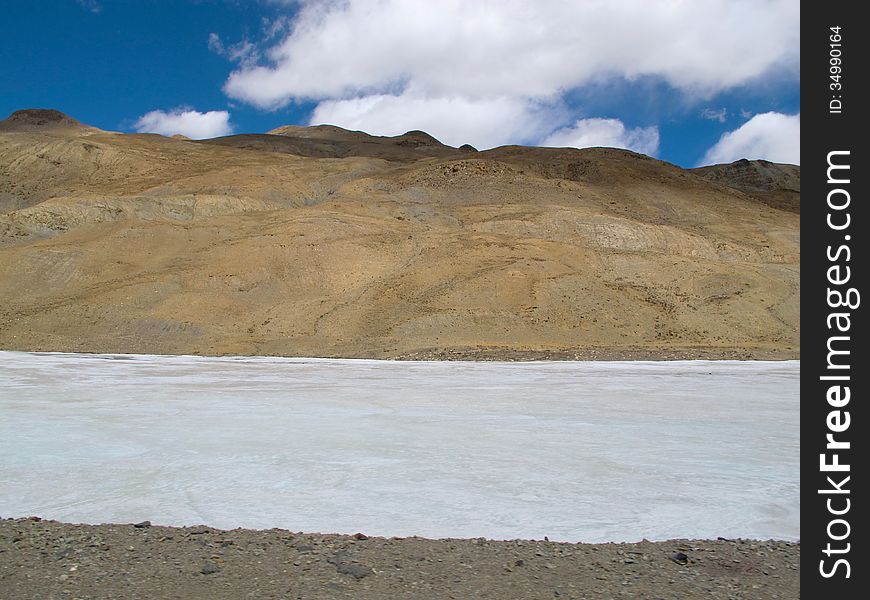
(577, 451)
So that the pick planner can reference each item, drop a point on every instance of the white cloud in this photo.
(272, 28)
(515, 48)
(215, 44)
(770, 136)
(90, 5)
(712, 114)
(244, 52)
(491, 72)
(186, 121)
(454, 120)
(587, 133)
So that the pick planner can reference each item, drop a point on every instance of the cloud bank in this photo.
(185, 121)
(771, 136)
(491, 48)
(454, 120)
(484, 72)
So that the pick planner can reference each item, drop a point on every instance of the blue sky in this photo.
(665, 78)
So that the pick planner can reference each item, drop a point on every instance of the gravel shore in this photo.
(48, 559)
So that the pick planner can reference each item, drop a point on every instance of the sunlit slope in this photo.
(396, 247)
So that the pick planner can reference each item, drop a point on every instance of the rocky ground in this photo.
(606, 354)
(47, 559)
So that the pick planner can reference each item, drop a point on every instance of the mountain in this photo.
(318, 241)
(42, 119)
(776, 185)
(329, 141)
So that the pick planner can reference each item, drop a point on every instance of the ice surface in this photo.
(577, 451)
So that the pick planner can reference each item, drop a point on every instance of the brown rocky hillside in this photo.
(317, 241)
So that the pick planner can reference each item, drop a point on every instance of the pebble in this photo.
(353, 569)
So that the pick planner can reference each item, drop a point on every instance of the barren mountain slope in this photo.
(43, 119)
(401, 247)
(776, 185)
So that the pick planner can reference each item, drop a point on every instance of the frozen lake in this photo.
(577, 451)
